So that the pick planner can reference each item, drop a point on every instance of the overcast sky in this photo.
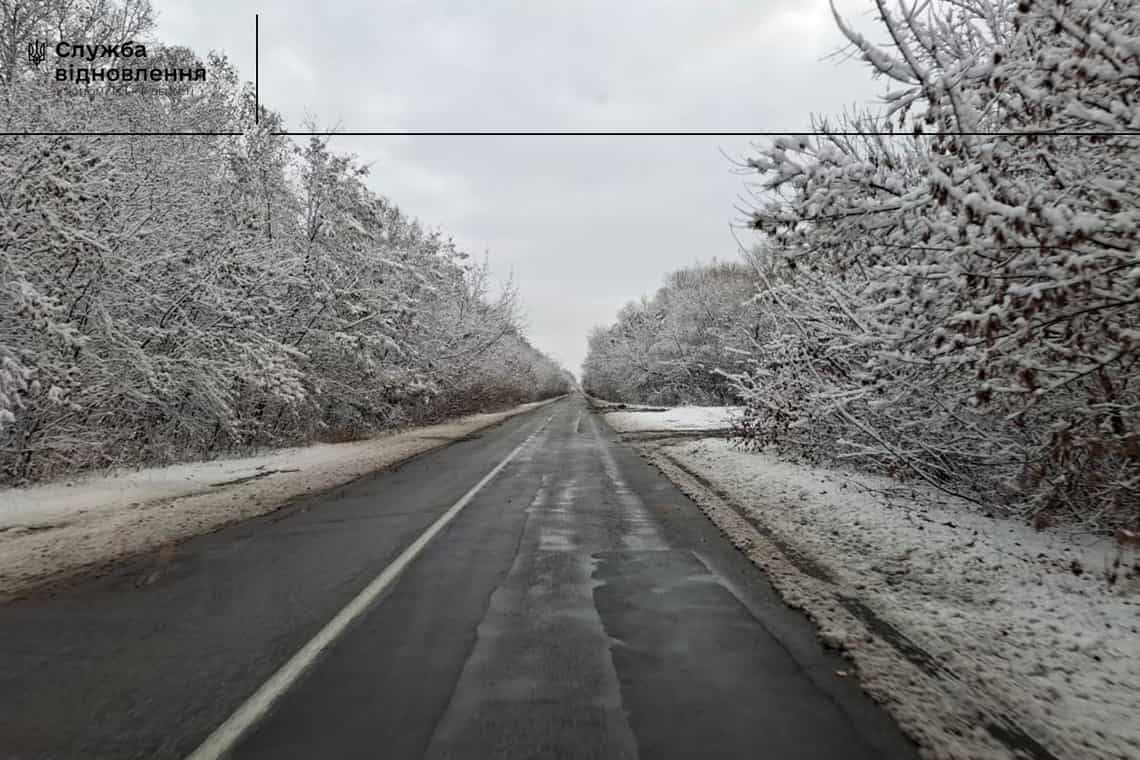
(584, 224)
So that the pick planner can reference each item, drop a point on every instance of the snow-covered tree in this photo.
(172, 297)
(958, 300)
(675, 347)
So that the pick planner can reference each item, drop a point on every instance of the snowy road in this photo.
(572, 604)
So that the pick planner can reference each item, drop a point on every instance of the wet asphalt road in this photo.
(579, 606)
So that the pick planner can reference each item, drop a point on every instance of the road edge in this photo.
(81, 565)
(944, 715)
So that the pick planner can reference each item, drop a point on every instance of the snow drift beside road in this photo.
(680, 418)
(1019, 626)
(1025, 617)
(55, 529)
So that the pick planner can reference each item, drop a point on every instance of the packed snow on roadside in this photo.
(1025, 619)
(680, 418)
(57, 528)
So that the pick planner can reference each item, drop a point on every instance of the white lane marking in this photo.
(225, 736)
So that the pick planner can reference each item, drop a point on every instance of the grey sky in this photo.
(584, 224)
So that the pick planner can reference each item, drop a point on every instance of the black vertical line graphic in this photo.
(256, 69)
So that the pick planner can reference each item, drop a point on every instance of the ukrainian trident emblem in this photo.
(37, 52)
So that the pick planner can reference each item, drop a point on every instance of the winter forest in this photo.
(944, 289)
(941, 289)
(172, 298)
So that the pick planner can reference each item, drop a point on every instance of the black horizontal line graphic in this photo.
(441, 133)
(792, 133)
(120, 134)
(901, 132)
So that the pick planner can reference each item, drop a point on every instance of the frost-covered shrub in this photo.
(959, 301)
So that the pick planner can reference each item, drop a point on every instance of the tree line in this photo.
(946, 289)
(171, 297)
(674, 347)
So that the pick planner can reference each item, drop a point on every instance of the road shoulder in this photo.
(875, 577)
(52, 533)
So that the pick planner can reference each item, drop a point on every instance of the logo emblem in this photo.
(37, 52)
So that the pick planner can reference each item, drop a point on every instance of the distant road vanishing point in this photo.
(532, 591)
